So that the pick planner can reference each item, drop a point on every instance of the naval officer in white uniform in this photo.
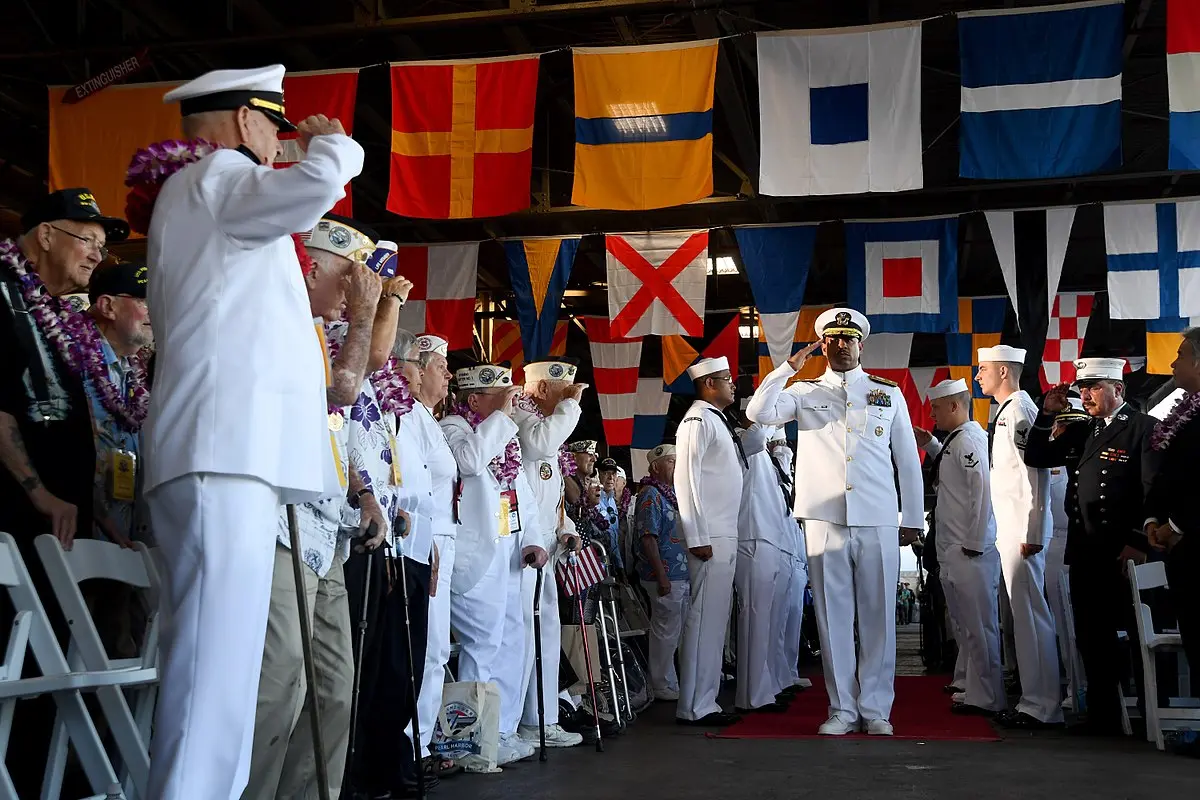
(708, 487)
(1024, 526)
(238, 418)
(855, 431)
(966, 544)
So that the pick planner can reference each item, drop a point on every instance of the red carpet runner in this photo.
(921, 711)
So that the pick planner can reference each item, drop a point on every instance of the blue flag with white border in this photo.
(1041, 90)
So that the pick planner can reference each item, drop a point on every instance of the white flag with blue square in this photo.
(1153, 259)
(840, 110)
(1041, 90)
(904, 275)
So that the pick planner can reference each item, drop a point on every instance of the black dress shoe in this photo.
(968, 710)
(791, 691)
(1020, 721)
(769, 708)
(950, 688)
(717, 719)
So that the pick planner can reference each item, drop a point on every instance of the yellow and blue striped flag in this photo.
(643, 125)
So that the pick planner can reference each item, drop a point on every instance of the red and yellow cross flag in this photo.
(462, 137)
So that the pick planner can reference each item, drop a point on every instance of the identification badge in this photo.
(510, 514)
(397, 479)
(123, 476)
(336, 421)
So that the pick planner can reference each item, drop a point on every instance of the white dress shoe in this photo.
(879, 727)
(555, 736)
(836, 726)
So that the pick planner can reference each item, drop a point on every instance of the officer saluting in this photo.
(1105, 498)
(856, 427)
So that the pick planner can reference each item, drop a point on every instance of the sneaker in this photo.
(517, 745)
(879, 727)
(506, 754)
(555, 736)
(836, 726)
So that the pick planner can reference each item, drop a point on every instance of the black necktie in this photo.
(937, 460)
(992, 428)
(785, 485)
(736, 439)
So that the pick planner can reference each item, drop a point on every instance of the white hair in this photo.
(405, 341)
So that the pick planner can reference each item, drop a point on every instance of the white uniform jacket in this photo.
(853, 427)
(764, 514)
(708, 476)
(964, 499)
(240, 387)
(540, 443)
(1020, 494)
(414, 490)
(479, 503)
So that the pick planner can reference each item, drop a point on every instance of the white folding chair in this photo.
(129, 718)
(32, 633)
(1153, 575)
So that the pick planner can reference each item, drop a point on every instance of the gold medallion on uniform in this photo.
(336, 421)
(879, 430)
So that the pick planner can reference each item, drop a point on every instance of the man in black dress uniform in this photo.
(1173, 513)
(1112, 467)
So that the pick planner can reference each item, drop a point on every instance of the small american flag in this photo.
(585, 573)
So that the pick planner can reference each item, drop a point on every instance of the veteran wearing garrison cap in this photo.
(708, 487)
(237, 422)
(1111, 468)
(856, 434)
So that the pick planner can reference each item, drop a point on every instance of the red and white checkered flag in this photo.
(585, 573)
(1064, 337)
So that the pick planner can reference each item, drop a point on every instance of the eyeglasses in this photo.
(92, 243)
(727, 378)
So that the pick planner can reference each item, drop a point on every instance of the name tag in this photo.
(397, 478)
(123, 476)
(510, 514)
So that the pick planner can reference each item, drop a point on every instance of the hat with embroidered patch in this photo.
(341, 236)
(77, 205)
(842, 322)
(660, 452)
(428, 343)
(259, 89)
(708, 366)
(1089, 370)
(607, 465)
(484, 376)
(552, 368)
(1001, 353)
(947, 388)
(589, 446)
(125, 279)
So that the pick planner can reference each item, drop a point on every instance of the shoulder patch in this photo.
(692, 419)
(884, 381)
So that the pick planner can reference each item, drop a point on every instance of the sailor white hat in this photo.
(229, 89)
(584, 446)
(662, 451)
(947, 388)
(842, 322)
(484, 376)
(1099, 369)
(1001, 352)
(708, 366)
(428, 343)
(341, 236)
(550, 369)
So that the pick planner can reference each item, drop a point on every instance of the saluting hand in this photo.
(797, 361)
(316, 125)
(924, 437)
(574, 391)
(1056, 400)
(400, 286)
(362, 295)
(509, 404)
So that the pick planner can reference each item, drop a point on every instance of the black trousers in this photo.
(1183, 581)
(1102, 607)
(385, 758)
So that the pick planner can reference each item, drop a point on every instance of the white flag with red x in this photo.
(656, 283)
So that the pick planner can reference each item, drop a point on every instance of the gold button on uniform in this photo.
(849, 458)
(849, 488)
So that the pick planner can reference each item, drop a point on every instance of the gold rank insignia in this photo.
(879, 398)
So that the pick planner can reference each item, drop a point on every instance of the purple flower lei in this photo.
(75, 336)
(391, 388)
(1179, 417)
(626, 499)
(668, 492)
(504, 467)
(161, 160)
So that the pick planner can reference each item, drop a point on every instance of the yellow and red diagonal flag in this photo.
(462, 137)
(506, 345)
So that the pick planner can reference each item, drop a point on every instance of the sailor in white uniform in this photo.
(966, 545)
(547, 413)
(500, 529)
(765, 529)
(238, 416)
(855, 431)
(708, 487)
(788, 611)
(1021, 503)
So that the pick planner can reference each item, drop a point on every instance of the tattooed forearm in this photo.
(351, 365)
(14, 456)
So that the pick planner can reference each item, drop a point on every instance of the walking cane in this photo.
(401, 527)
(537, 657)
(310, 667)
(573, 561)
(372, 531)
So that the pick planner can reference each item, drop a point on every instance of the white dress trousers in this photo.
(781, 675)
(703, 645)
(551, 646)
(756, 576)
(791, 628)
(666, 626)
(437, 646)
(217, 534)
(972, 587)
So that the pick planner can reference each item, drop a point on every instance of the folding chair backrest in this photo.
(1151, 575)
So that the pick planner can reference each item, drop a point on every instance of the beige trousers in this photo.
(283, 765)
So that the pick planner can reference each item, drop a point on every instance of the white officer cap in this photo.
(484, 376)
(1099, 369)
(588, 446)
(1001, 352)
(229, 89)
(550, 369)
(842, 322)
(708, 366)
(341, 236)
(1073, 412)
(948, 388)
(662, 451)
(428, 343)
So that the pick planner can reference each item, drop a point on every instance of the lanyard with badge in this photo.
(510, 513)
(336, 419)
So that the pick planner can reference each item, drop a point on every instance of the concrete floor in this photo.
(655, 759)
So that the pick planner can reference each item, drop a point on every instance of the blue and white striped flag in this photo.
(1041, 90)
(1153, 259)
